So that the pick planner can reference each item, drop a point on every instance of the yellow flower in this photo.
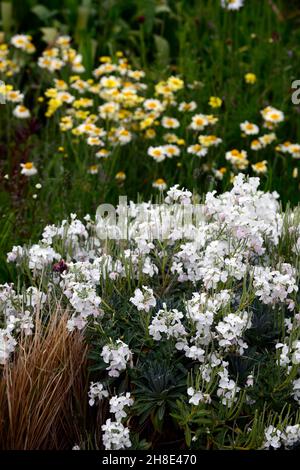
(215, 102)
(53, 105)
(260, 167)
(105, 59)
(250, 78)
(120, 176)
(150, 133)
(295, 172)
(93, 170)
(175, 83)
(51, 93)
(81, 114)
(82, 103)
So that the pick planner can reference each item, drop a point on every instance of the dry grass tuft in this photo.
(43, 390)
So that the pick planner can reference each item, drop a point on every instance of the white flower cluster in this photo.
(115, 435)
(231, 329)
(39, 256)
(143, 299)
(118, 404)
(96, 393)
(7, 345)
(201, 310)
(167, 322)
(272, 287)
(85, 302)
(117, 356)
(198, 397)
(276, 438)
(289, 356)
(17, 312)
(228, 389)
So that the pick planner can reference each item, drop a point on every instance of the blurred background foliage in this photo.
(161, 32)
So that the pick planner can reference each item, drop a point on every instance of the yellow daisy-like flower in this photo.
(175, 83)
(215, 102)
(150, 133)
(250, 78)
(105, 59)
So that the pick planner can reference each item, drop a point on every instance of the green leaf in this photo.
(43, 13)
(188, 436)
(7, 17)
(49, 34)
(162, 51)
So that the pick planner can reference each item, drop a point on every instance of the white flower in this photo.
(40, 257)
(117, 405)
(143, 299)
(296, 390)
(274, 286)
(231, 329)
(7, 345)
(228, 389)
(115, 436)
(249, 128)
(296, 352)
(16, 255)
(117, 356)
(171, 150)
(272, 115)
(250, 381)
(291, 436)
(198, 397)
(198, 150)
(84, 299)
(167, 322)
(157, 153)
(96, 392)
(22, 41)
(272, 438)
(199, 122)
(169, 122)
(28, 169)
(153, 105)
(21, 112)
(179, 196)
(123, 135)
(232, 4)
(183, 106)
